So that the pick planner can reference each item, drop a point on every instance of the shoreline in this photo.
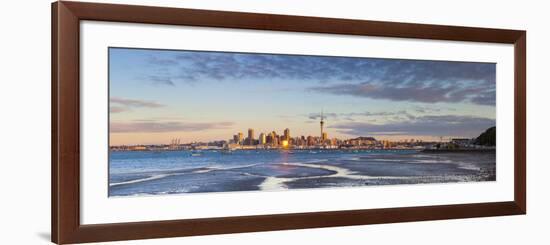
(290, 150)
(458, 150)
(276, 149)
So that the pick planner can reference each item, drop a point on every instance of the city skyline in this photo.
(158, 95)
(275, 139)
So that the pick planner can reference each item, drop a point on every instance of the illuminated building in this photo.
(262, 139)
(324, 136)
(284, 143)
(240, 135)
(138, 148)
(287, 134)
(274, 139)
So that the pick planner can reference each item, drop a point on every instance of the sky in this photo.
(198, 96)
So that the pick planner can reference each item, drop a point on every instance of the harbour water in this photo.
(134, 173)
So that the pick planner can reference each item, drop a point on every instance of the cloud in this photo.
(118, 104)
(391, 79)
(159, 126)
(426, 109)
(134, 103)
(350, 116)
(316, 116)
(161, 61)
(451, 93)
(161, 80)
(117, 109)
(441, 125)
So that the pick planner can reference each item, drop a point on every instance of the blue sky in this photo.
(156, 95)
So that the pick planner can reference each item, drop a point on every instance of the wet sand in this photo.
(334, 170)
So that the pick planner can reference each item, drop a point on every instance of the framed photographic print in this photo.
(177, 122)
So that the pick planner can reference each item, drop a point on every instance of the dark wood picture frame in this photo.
(65, 174)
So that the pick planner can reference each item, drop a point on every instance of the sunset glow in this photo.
(158, 95)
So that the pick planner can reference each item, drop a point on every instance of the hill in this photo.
(487, 138)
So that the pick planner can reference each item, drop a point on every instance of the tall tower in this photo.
(262, 139)
(274, 138)
(241, 137)
(287, 134)
(322, 123)
(251, 136)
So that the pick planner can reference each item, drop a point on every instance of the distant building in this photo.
(310, 140)
(250, 139)
(362, 141)
(262, 139)
(138, 148)
(274, 138)
(287, 134)
(461, 141)
(269, 139)
(241, 137)
(298, 141)
(324, 136)
(387, 144)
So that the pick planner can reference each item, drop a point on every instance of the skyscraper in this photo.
(262, 139)
(287, 134)
(274, 138)
(310, 140)
(240, 136)
(250, 136)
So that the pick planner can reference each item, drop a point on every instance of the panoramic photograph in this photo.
(186, 121)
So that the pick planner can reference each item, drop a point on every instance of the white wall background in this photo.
(25, 122)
